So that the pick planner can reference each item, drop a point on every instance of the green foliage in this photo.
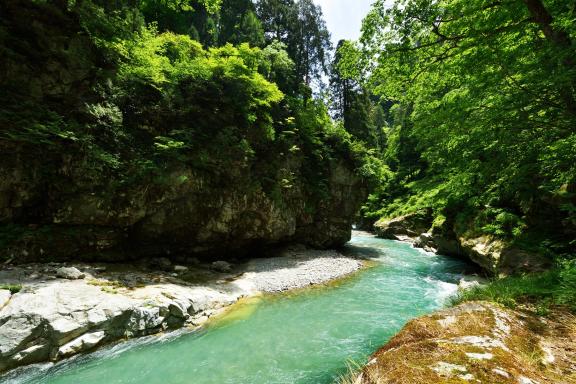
(173, 72)
(163, 94)
(13, 288)
(483, 109)
(499, 222)
(567, 287)
(554, 287)
(301, 27)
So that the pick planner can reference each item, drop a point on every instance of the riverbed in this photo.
(305, 336)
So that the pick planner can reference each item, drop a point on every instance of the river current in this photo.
(304, 337)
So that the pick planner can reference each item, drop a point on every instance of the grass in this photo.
(554, 287)
(13, 288)
(108, 286)
(353, 374)
(412, 355)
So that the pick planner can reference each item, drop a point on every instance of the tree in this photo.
(239, 23)
(351, 103)
(279, 18)
(187, 17)
(313, 42)
(301, 27)
(487, 95)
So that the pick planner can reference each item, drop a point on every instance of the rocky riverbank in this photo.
(493, 255)
(62, 310)
(478, 342)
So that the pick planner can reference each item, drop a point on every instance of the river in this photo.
(304, 337)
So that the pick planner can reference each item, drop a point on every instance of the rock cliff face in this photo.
(493, 255)
(80, 177)
(187, 215)
(477, 343)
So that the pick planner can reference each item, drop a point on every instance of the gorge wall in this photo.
(100, 160)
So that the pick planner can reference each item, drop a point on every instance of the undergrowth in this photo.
(554, 287)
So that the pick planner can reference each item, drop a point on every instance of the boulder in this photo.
(425, 241)
(81, 344)
(70, 273)
(411, 225)
(500, 258)
(61, 318)
(221, 266)
(476, 342)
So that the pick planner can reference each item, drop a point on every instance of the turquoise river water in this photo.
(304, 337)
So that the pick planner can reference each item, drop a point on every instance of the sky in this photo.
(344, 17)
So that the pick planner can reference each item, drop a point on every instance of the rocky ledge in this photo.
(478, 342)
(62, 310)
(494, 256)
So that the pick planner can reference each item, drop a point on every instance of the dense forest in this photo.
(480, 117)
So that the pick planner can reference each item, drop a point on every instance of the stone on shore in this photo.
(180, 268)
(221, 266)
(70, 273)
(81, 344)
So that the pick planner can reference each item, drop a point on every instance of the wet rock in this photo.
(70, 273)
(180, 268)
(426, 241)
(221, 266)
(29, 355)
(81, 344)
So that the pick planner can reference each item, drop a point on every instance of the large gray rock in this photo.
(81, 344)
(60, 318)
(500, 258)
(411, 225)
(70, 273)
(221, 266)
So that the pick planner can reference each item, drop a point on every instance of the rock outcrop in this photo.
(53, 320)
(111, 195)
(408, 226)
(493, 255)
(477, 342)
(180, 219)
